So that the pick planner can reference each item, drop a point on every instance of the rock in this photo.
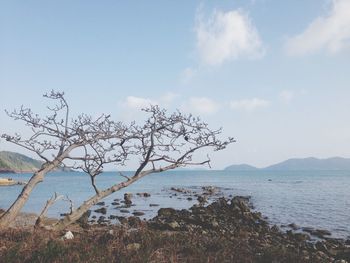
(143, 194)
(202, 200)
(152, 205)
(166, 212)
(133, 246)
(124, 211)
(83, 220)
(320, 233)
(100, 203)
(189, 198)
(138, 213)
(68, 235)
(293, 226)
(179, 190)
(134, 221)
(102, 219)
(101, 210)
(209, 190)
(173, 225)
(127, 198)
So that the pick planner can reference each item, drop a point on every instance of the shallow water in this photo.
(319, 199)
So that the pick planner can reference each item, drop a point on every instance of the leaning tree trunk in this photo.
(78, 213)
(12, 212)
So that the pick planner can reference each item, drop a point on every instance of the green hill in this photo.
(11, 162)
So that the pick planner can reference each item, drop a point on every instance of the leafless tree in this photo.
(165, 141)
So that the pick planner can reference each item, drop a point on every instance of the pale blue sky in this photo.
(274, 74)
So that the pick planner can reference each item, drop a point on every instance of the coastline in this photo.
(227, 229)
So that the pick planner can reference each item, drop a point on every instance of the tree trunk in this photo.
(16, 207)
(76, 214)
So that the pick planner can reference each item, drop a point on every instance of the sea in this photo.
(318, 199)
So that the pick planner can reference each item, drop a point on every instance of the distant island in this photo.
(12, 162)
(298, 164)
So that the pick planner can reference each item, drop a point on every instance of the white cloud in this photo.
(286, 96)
(168, 98)
(201, 105)
(138, 103)
(331, 32)
(249, 104)
(226, 36)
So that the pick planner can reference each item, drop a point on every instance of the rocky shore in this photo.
(10, 181)
(226, 230)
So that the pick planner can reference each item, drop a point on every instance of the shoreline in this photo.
(229, 226)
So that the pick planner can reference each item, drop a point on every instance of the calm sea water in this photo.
(319, 199)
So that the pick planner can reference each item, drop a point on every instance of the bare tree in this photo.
(162, 143)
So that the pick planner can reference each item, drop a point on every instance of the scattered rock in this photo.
(127, 198)
(83, 221)
(68, 235)
(133, 246)
(101, 210)
(138, 213)
(143, 194)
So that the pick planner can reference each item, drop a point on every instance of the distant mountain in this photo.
(241, 167)
(335, 163)
(295, 164)
(11, 162)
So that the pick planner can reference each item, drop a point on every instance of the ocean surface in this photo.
(319, 199)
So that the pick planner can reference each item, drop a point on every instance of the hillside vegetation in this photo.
(17, 163)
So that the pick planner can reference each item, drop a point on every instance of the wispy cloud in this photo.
(138, 103)
(201, 105)
(226, 36)
(330, 32)
(287, 96)
(249, 104)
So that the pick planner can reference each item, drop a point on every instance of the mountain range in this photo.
(297, 164)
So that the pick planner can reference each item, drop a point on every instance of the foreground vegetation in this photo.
(224, 231)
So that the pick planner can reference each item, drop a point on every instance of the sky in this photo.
(274, 74)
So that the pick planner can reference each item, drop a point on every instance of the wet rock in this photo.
(102, 219)
(320, 233)
(202, 200)
(127, 198)
(179, 190)
(138, 213)
(101, 210)
(293, 226)
(124, 211)
(166, 212)
(209, 190)
(143, 194)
